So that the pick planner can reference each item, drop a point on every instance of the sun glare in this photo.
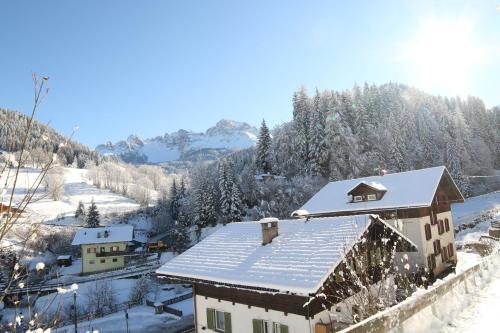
(442, 56)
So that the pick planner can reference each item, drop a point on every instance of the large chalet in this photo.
(417, 203)
(283, 276)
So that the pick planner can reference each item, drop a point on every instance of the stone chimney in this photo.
(269, 227)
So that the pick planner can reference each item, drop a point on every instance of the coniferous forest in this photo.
(337, 135)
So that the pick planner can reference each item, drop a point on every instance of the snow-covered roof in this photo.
(298, 260)
(64, 257)
(375, 185)
(103, 235)
(405, 189)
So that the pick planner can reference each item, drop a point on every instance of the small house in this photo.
(417, 203)
(103, 248)
(280, 275)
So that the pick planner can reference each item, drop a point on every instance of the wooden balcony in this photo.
(111, 254)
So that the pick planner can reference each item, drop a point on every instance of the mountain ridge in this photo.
(226, 136)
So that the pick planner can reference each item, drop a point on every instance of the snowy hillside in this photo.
(76, 188)
(478, 211)
(225, 136)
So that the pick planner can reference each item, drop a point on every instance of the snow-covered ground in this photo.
(472, 208)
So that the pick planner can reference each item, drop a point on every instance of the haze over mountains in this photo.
(225, 137)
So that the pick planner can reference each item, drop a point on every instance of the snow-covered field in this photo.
(473, 208)
(76, 188)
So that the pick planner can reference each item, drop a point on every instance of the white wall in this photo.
(414, 228)
(241, 316)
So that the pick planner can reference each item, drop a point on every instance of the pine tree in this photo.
(454, 165)
(318, 153)
(236, 205)
(80, 210)
(301, 124)
(92, 218)
(263, 161)
(174, 203)
(181, 239)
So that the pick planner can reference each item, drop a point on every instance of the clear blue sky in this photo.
(150, 67)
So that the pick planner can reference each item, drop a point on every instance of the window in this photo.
(428, 234)
(444, 254)
(115, 259)
(114, 248)
(91, 250)
(431, 262)
(433, 218)
(103, 249)
(437, 247)
(450, 250)
(447, 224)
(218, 321)
(372, 197)
(103, 261)
(264, 326)
(358, 198)
(440, 227)
(91, 262)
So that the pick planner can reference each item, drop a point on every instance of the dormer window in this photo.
(367, 191)
(358, 198)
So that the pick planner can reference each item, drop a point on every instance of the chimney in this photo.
(269, 227)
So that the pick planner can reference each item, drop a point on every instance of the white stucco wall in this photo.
(241, 316)
(414, 228)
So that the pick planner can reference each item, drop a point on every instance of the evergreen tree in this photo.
(236, 205)
(174, 203)
(92, 217)
(181, 239)
(318, 152)
(263, 160)
(80, 210)
(454, 166)
(301, 123)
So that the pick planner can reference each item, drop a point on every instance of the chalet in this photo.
(417, 203)
(281, 276)
(103, 248)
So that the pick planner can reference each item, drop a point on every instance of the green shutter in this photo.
(227, 322)
(283, 328)
(257, 326)
(210, 319)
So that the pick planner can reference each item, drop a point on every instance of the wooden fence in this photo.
(395, 316)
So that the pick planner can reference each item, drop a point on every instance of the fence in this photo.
(397, 315)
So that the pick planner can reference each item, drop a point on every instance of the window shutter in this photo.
(227, 320)
(257, 326)
(283, 328)
(210, 319)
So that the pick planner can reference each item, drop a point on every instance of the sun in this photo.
(442, 56)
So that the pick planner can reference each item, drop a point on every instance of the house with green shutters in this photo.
(281, 276)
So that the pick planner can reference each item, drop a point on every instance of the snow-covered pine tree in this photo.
(454, 165)
(301, 124)
(236, 209)
(318, 152)
(181, 238)
(263, 160)
(174, 203)
(80, 210)
(92, 218)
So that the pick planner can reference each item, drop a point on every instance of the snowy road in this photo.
(481, 315)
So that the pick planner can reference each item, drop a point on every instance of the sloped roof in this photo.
(405, 189)
(374, 185)
(96, 235)
(298, 260)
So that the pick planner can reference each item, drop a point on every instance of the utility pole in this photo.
(126, 319)
(74, 312)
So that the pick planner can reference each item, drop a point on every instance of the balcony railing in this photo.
(111, 253)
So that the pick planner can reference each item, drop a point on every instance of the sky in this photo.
(149, 67)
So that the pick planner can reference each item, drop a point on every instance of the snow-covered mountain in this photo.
(226, 136)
